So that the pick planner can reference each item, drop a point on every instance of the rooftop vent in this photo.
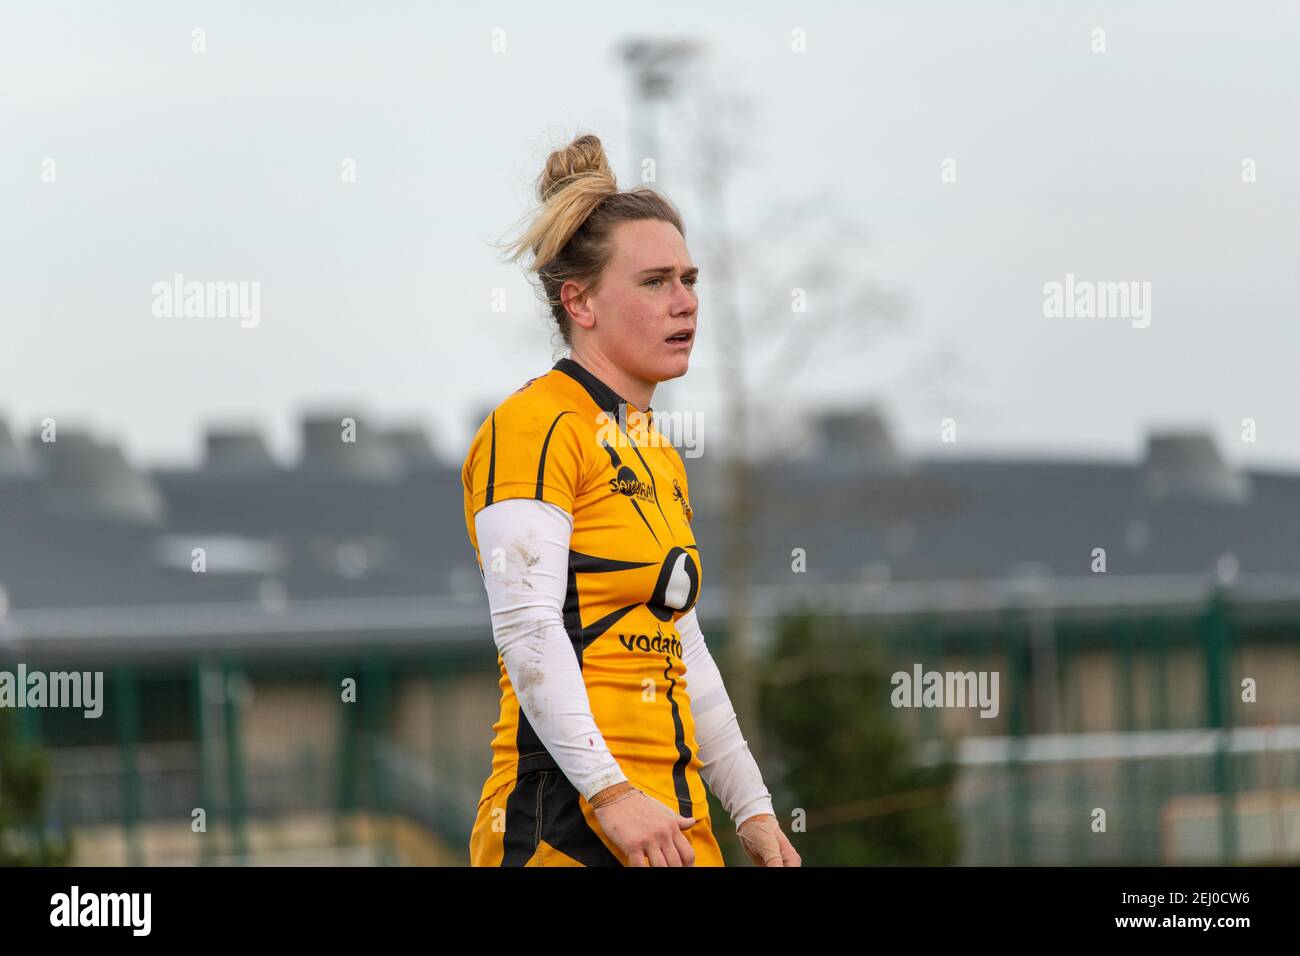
(1186, 465)
(412, 443)
(233, 451)
(343, 445)
(855, 439)
(79, 476)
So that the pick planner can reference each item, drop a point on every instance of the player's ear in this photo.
(577, 302)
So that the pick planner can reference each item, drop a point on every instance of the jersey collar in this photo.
(605, 397)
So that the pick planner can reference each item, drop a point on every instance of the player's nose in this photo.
(684, 301)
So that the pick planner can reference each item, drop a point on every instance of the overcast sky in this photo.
(1115, 166)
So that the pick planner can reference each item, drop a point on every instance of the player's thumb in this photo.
(687, 822)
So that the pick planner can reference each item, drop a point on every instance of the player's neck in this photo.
(632, 390)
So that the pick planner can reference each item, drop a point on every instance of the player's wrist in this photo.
(741, 809)
(618, 791)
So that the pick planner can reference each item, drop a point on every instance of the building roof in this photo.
(327, 548)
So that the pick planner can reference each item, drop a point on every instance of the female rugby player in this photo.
(613, 713)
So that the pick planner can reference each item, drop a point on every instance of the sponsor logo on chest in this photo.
(627, 483)
(657, 644)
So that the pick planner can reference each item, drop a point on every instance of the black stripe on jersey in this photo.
(581, 636)
(652, 484)
(695, 546)
(597, 628)
(591, 564)
(615, 462)
(572, 615)
(532, 754)
(541, 464)
(565, 827)
(544, 806)
(643, 518)
(680, 785)
(492, 462)
(523, 819)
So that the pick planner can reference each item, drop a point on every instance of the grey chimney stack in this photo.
(1186, 465)
(856, 439)
(368, 456)
(232, 451)
(79, 476)
(412, 443)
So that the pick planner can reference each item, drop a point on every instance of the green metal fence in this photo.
(1093, 702)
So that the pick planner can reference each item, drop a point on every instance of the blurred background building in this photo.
(225, 687)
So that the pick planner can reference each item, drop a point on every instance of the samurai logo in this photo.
(626, 481)
(628, 484)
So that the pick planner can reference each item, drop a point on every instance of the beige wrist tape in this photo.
(620, 791)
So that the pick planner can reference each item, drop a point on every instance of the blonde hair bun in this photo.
(582, 162)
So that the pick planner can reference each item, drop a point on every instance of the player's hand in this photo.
(766, 845)
(648, 833)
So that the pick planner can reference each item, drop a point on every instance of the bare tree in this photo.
(764, 342)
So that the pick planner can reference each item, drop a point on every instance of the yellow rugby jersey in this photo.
(634, 569)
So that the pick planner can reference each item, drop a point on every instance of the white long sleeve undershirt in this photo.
(524, 546)
(729, 769)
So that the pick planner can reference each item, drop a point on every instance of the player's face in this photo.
(647, 296)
